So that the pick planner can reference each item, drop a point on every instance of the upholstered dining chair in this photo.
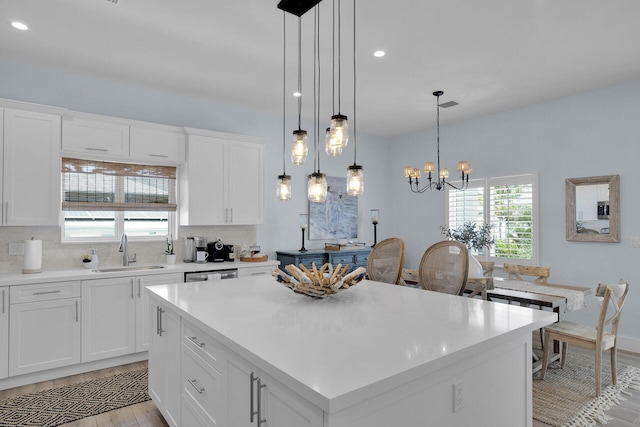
(597, 339)
(516, 271)
(386, 260)
(444, 267)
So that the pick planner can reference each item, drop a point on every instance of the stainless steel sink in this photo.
(134, 268)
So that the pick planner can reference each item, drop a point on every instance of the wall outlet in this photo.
(16, 248)
(458, 395)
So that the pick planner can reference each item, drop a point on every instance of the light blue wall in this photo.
(592, 133)
(589, 134)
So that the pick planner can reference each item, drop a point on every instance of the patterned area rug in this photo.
(69, 403)
(566, 397)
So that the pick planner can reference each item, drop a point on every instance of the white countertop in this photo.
(8, 279)
(348, 347)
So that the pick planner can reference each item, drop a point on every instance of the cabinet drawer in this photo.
(44, 292)
(361, 259)
(202, 345)
(341, 259)
(202, 386)
(308, 262)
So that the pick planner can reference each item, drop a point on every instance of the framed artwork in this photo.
(337, 217)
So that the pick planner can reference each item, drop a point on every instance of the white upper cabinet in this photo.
(30, 168)
(119, 139)
(222, 182)
(156, 144)
(95, 137)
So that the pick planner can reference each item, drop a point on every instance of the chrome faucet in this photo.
(124, 248)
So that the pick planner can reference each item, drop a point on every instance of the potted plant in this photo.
(171, 256)
(473, 236)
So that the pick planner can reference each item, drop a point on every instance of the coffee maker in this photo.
(217, 251)
(191, 247)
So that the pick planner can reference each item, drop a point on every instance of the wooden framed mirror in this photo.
(592, 208)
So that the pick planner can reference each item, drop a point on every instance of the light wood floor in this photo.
(147, 415)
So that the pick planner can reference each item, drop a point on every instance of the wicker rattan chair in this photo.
(597, 338)
(386, 260)
(444, 267)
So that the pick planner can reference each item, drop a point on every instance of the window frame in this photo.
(487, 183)
(119, 216)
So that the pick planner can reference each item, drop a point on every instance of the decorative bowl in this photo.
(319, 283)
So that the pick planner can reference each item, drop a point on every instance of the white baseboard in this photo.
(80, 368)
(629, 344)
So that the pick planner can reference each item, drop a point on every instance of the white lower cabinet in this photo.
(45, 327)
(108, 318)
(115, 319)
(164, 363)
(254, 397)
(216, 386)
(142, 305)
(4, 332)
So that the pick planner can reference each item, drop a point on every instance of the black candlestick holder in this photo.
(303, 249)
(302, 220)
(375, 215)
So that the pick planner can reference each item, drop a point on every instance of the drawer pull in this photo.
(47, 292)
(193, 384)
(196, 342)
(103, 150)
(164, 156)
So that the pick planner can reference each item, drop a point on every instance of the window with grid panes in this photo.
(509, 204)
(102, 200)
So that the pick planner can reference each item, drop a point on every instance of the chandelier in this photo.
(440, 182)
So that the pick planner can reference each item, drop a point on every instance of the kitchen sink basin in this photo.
(135, 268)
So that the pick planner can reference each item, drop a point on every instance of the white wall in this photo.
(589, 134)
(593, 133)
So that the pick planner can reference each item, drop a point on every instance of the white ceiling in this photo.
(489, 55)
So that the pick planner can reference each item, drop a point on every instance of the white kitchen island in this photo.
(373, 355)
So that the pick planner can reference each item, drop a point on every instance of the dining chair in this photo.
(386, 260)
(516, 272)
(444, 267)
(597, 339)
(487, 268)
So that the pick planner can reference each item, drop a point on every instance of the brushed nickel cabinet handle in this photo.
(193, 383)
(159, 155)
(47, 292)
(196, 342)
(103, 150)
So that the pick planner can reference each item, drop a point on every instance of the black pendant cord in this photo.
(316, 84)
(438, 136)
(333, 59)
(339, 54)
(299, 72)
(284, 90)
(355, 139)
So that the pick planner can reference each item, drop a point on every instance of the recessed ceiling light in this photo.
(297, 94)
(19, 26)
(379, 53)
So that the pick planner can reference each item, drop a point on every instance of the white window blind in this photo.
(90, 185)
(509, 204)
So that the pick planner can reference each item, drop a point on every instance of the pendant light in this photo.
(283, 188)
(355, 172)
(338, 136)
(300, 145)
(317, 182)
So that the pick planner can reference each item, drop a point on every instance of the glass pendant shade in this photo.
(283, 188)
(355, 180)
(317, 187)
(339, 130)
(330, 146)
(300, 147)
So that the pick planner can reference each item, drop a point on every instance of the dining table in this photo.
(560, 298)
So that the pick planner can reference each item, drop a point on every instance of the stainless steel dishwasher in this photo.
(203, 276)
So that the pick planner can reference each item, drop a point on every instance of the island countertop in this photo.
(348, 347)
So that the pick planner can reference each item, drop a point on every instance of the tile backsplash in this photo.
(58, 256)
